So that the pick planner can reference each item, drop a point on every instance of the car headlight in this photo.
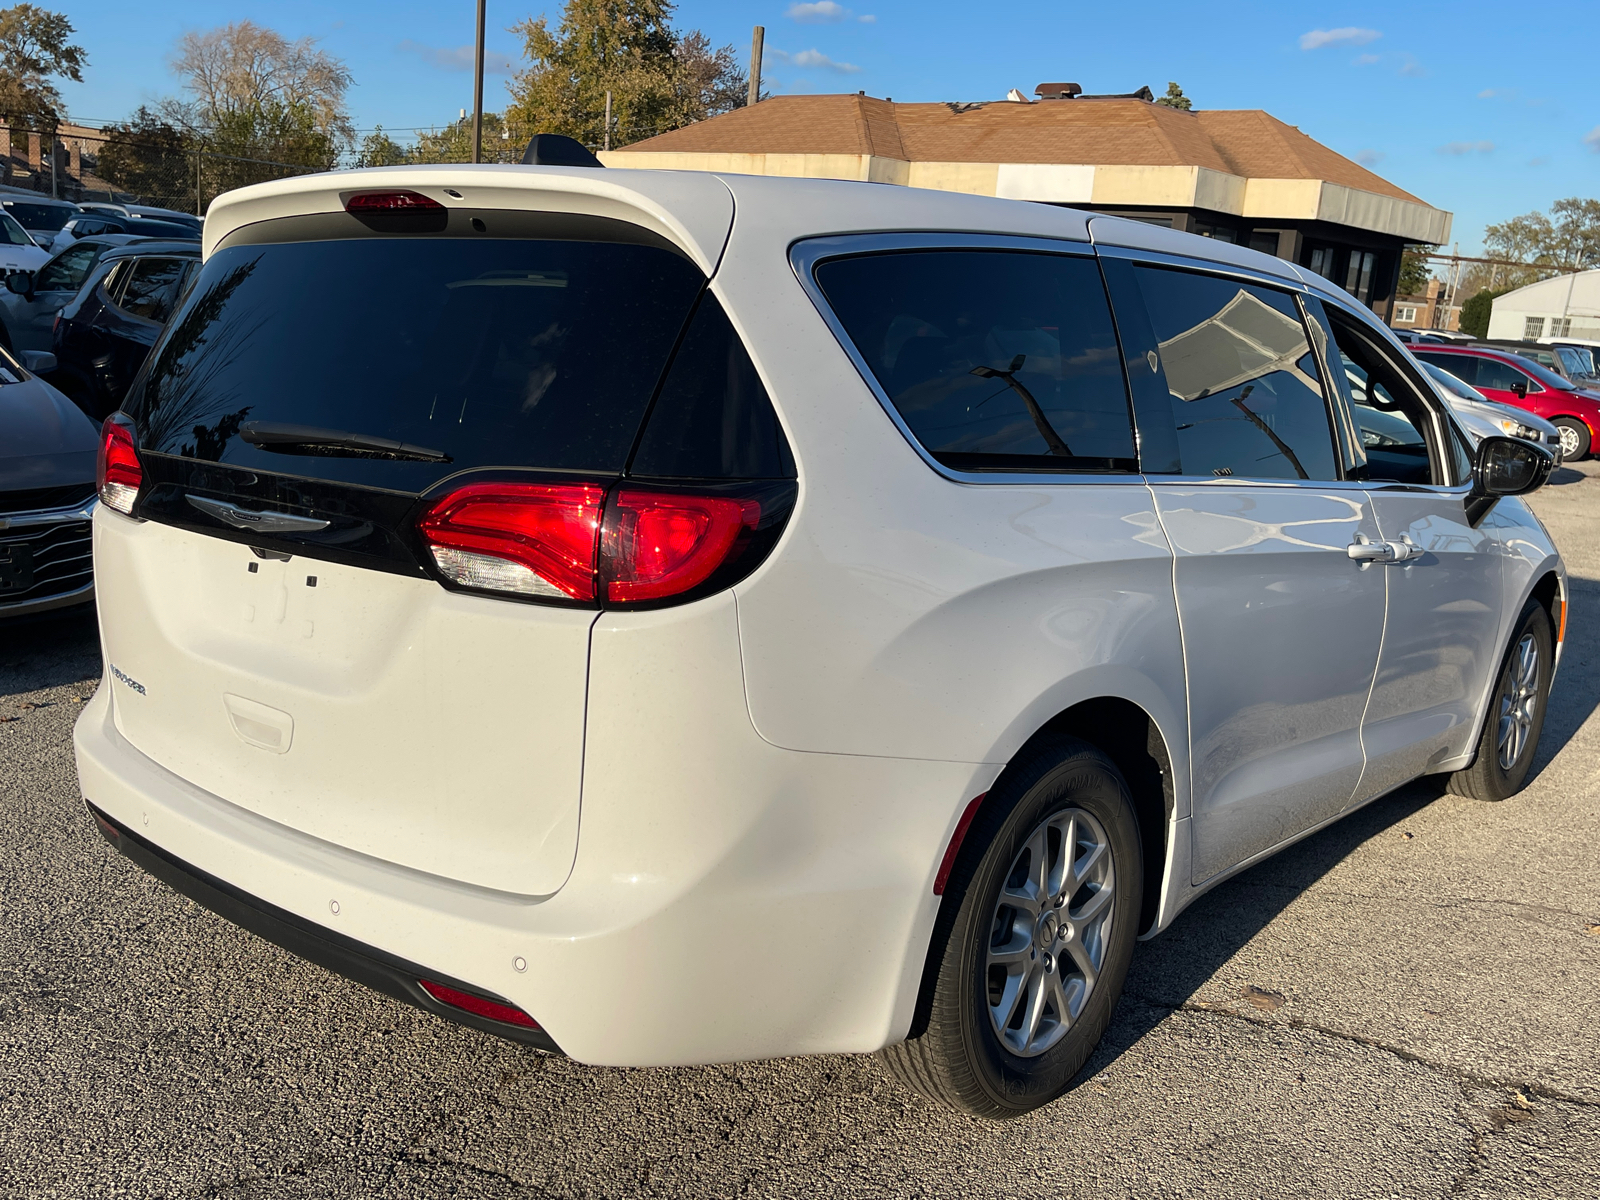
(1511, 427)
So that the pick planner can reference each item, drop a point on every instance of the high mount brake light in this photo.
(549, 541)
(533, 539)
(659, 544)
(118, 475)
(389, 202)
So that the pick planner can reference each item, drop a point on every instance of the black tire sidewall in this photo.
(1083, 779)
(1535, 620)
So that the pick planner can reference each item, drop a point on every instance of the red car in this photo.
(1512, 379)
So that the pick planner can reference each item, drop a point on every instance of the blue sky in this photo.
(1476, 113)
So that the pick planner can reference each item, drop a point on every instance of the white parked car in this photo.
(18, 251)
(678, 618)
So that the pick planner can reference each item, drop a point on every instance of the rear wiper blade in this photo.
(308, 439)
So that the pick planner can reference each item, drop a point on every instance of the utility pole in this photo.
(53, 164)
(606, 142)
(477, 93)
(756, 39)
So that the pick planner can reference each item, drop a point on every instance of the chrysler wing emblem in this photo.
(256, 520)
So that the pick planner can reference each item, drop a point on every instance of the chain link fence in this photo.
(82, 163)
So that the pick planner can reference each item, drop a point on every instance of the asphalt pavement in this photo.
(1404, 1005)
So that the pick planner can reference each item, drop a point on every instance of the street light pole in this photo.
(757, 36)
(477, 93)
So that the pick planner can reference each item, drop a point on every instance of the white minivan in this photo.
(669, 617)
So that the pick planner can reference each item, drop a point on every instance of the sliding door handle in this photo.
(1365, 550)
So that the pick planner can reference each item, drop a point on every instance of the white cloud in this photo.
(1370, 158)
(1592, 139)
(821, 12)
(1459, 148)
(1412, 68)
(1366, 60)
(867, 19)
(812, 58)
(459, 58)
(1348, 35)
(1490, 93)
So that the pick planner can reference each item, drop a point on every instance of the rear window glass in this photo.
(500, 352)
(46, 218)
(996, 360)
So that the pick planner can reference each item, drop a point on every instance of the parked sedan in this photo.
(30, 300)
(105, 331)
(1482, 417)
(47, 492)
(18, 251)
(1509, 378)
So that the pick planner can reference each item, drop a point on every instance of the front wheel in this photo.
(1033, 961)
(1515, 718)
(1574, 438)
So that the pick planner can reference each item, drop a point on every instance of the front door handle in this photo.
(1364, 550)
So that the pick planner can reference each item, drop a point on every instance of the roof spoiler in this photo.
(557, 150)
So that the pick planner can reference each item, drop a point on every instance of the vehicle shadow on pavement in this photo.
(1169, 970)
(49, 651)
(1576, 694)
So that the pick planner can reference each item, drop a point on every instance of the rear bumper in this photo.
(380, 971)
(730, 900)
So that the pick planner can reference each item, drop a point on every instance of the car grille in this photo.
(40, 561)
(33, 499)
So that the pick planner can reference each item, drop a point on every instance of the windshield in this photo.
(1577, 361)
(516, 353)
(1543, 374)
(12, 233)
(1453, 385)
(46, 218)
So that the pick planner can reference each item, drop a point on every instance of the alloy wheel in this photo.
(1569, 441)
(1519, 699)
(1052, 921)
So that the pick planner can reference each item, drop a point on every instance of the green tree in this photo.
(1414, 271)
(1475, 312)
(1175, 98)
(150, 158)
(34, 51)
(378, 149)
(658, 80)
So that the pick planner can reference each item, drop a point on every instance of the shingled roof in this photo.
(1100, 151)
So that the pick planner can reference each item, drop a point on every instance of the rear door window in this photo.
(1463, 366)
(1243, 379)
(151, 287)
(521, 352)
(996, 360)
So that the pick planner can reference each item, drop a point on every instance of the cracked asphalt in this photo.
(1405, 1005)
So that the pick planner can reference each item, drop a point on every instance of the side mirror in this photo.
(20, 282)
(40, 362)
(1505, 466)
(1520, 387)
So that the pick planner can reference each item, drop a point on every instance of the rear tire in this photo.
(1574, 438)
(1045, 901)
(1515, 719)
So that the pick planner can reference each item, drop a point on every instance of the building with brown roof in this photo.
(1243, 176)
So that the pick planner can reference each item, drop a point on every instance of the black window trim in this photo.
(807, 254)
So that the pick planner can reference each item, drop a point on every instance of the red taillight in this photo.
(660, 544)
(477, 1005)
(118, 475)
(535, 539)
(389, 202)
(546, 540)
